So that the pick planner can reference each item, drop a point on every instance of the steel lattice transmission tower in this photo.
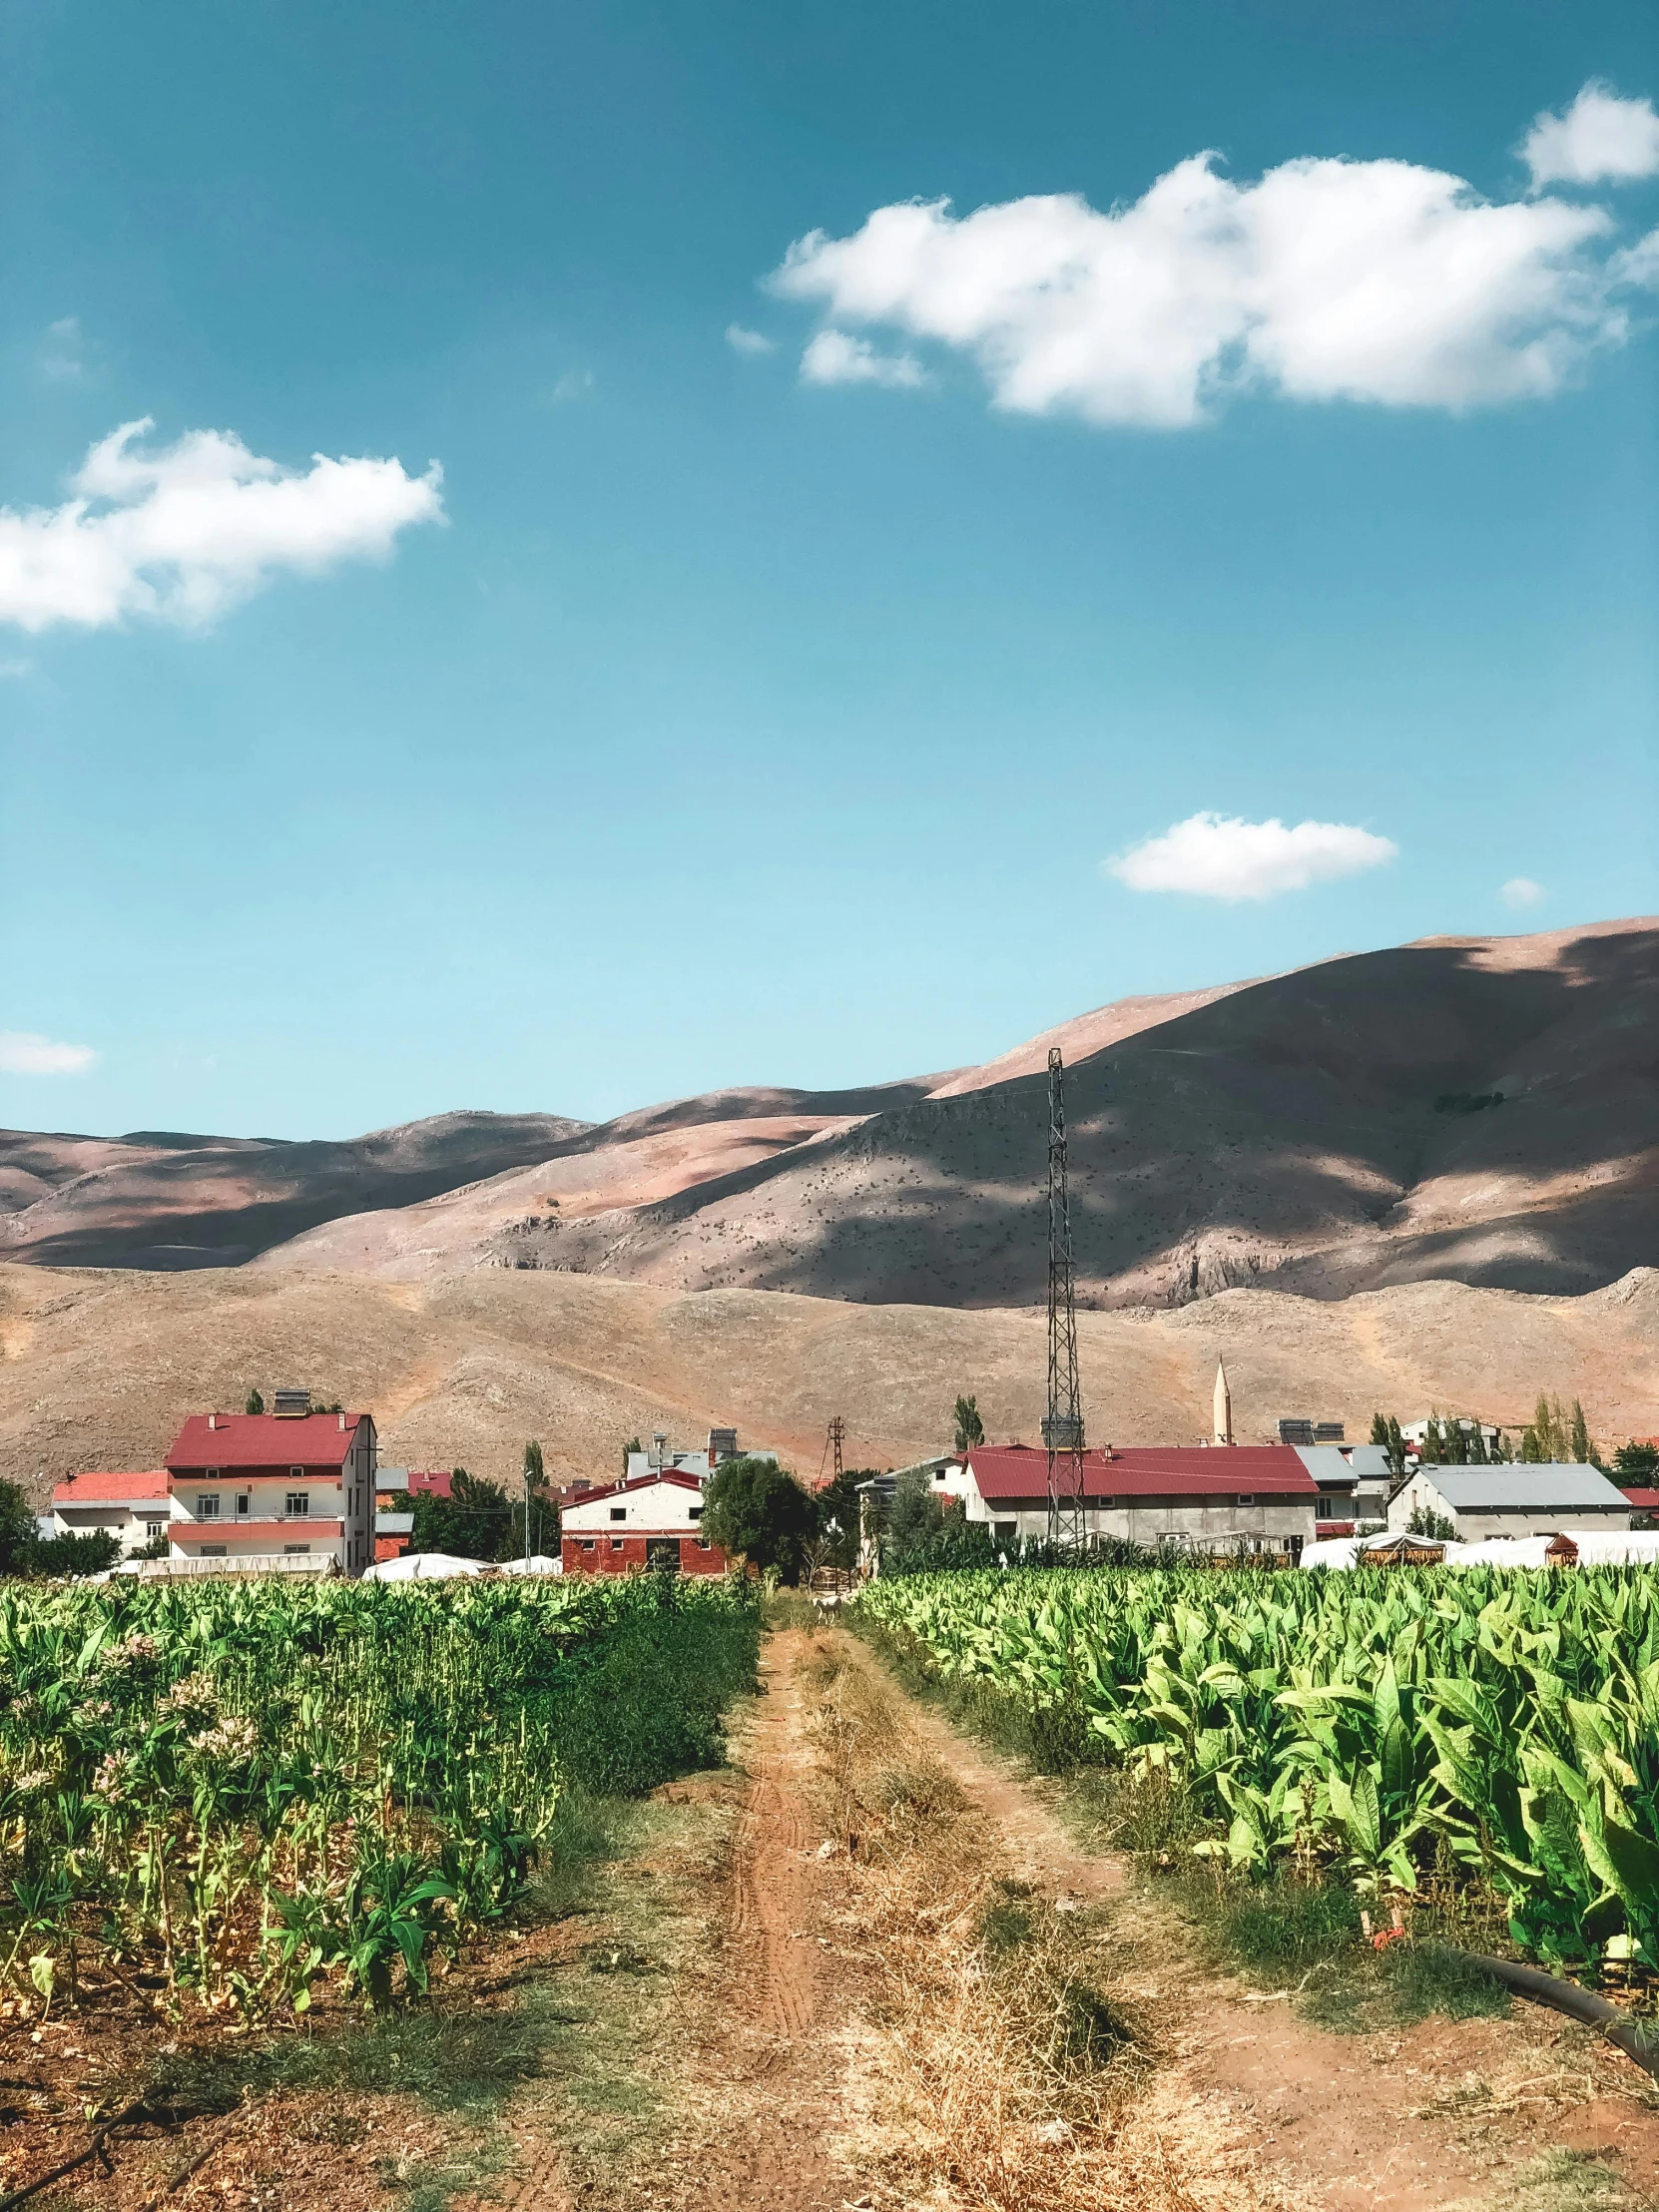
(1063, 1423)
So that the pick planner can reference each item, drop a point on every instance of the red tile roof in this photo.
(263, 1441)
(111, 1490)
(434, 1481)
(1644, 1501)
(1009, 1471)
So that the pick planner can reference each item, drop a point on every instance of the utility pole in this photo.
(838, 1437)
(1063, 1423)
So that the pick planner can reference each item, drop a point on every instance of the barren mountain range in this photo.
(1446, 1154)
(1484, 1110)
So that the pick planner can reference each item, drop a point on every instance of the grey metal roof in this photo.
(1526, 1489)
(1332, 1462)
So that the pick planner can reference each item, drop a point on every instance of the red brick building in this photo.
(650, 1521)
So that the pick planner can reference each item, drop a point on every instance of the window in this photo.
(1004, 1531)
(296, 1474)
(616, 1543)
(295, 1549)
(299, 1504)
(207, 1505)
(697, 1512)
(619, 1512)
(214, 1551)
(587, 1543)
(1325, 1508)
(703, 1545)
(243, 1501)
(1247, 1499)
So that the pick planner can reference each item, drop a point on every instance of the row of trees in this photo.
(1553, 1436)
(480, 1519)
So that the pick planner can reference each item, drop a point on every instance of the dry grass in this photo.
(1001, 2065)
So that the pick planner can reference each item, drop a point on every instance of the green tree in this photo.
(1531, 1451)
(1426, 1523)
(1431, 1451)
(633, 1444)
(88, 1551)
(915, 1519)
(17, 1530)
(1637, 1464)
(1578, 1436)
(475, 1521)
(538, 1505)
(837, 1516)
(970, 1429)
(756, 1511)
(255, 1403)
(1478, 1455)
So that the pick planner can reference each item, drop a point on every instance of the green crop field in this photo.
(225, 1795)
(1373, 1725)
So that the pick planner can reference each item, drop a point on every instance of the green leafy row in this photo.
(1369, 1718)
(229, 1790)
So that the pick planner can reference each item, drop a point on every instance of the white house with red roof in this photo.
(130, 1506)
(1199, 1497)
(289, 1489)
(647, 1520)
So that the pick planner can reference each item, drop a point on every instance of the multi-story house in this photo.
(292, 1490)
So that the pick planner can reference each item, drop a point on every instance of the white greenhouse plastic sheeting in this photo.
(537, 1563)
(422, 1566)
(1596, 1548)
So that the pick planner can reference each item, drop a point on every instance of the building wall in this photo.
(1267, 1526)
(1472, 1527)
(656, 1507)
(631, 1553)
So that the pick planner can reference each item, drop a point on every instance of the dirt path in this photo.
(765, 2057)
(1421, 2119)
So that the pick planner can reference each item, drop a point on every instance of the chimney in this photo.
(343, 1422)
(212, 1421)
(290, 1404)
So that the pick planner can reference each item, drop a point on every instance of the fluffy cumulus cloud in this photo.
(1520, 893)
(836, 357)
(1224, 856)
(1376, 280)
(184, 531)
(23, 1053)
(1601, 139)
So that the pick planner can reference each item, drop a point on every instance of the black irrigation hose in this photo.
(1577, 2003)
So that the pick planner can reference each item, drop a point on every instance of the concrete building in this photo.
(1255, 1497)
(701, 1461)
(649, 1520)
(1515, 1501)
(129, 1507)
(251, 1489)
(1356, 1475)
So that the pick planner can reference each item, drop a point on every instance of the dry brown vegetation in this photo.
(97, 1369)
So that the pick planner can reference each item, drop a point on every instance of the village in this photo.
(300, 1490)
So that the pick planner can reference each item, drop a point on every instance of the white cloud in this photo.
(748, 341)
(1601, 139)
(834, 357)
(575, 384)
(1223, 857)
(1520, 891)
(23, 1053)
(10, 669)
(1376, 280)
(188, 530)
(61, 351)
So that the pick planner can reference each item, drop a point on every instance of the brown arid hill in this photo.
(1484, 1110)
(97, 1369)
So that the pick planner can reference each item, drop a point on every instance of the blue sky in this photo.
(711, 723)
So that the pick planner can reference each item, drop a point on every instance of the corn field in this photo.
(1376, 1724)
(226, 1795)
